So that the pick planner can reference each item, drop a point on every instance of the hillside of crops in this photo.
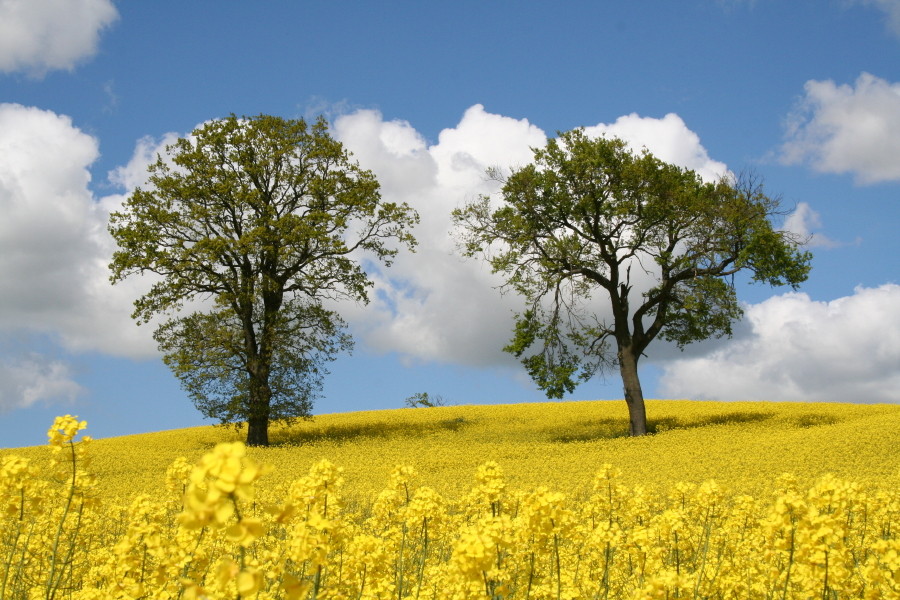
(549, 500)
(742, 445)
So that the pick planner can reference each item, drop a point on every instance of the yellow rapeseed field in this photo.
(550, 500)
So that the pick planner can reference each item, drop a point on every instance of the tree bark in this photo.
(259, 401)
(634, 396)
(258, 431)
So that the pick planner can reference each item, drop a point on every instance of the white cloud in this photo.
(54, 248)
(803, 222)
(482, 140)
(37, 36)
(433, 305)
(668, 139)
(797, 349)
(395, 151)
(47, 227)
(31, 378)
(134, 173)
(848, 129)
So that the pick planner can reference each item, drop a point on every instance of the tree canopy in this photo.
(258, 221)
(587, 220)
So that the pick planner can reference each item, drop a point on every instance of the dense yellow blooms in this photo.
(560, 445)
(219, 522)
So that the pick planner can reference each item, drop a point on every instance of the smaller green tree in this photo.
(588, 218)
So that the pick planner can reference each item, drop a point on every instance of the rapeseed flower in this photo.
(226, 525)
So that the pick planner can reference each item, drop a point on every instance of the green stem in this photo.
(787, 578)
(317, 581)
(558, 569)
(50, 591)
(400, 564)
(530, 577)
(424, 555)
(68, 563)
(15, 543)
(677, 555)
(707, 531)
(607, 554)
(362, 584)
(187, 565)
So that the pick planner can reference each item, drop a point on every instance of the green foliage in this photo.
(206, 351)
(701, 308)
(262, 218)
(589, 218)
(554, 367)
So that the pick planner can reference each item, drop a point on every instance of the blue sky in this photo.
(428, 95)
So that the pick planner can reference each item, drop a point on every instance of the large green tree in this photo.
(248, 225)
(586, 222)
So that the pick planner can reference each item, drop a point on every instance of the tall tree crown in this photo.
(255, 202)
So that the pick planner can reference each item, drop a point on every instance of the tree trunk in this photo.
(258, 431)
(634, 396)
(260, 397)
(259, 368)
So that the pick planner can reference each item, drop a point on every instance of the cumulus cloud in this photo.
(37, 36)
(669, 139)
(847, 129)
(433, 305)
(31, 378)
(48, 223)
(797, 349)
(54, 248)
